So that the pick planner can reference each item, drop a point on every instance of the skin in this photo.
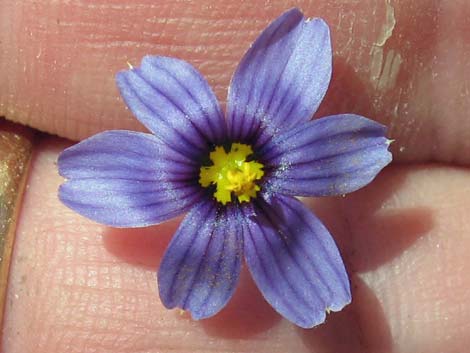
(77, 286)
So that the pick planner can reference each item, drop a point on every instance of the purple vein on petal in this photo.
(251, 236)
(201, 266)
(215, 136)
(262, 137)
(270, 93)
(150, 108)
(253, 58)
(268, 215)
(311, 275)
(270, 152)
(323, 250)
(208, 208)
(229, 217)
(202, 136)
(189, 149)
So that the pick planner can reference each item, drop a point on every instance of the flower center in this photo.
(231, 173)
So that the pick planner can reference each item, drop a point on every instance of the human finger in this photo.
(77, 286)
(400, 62)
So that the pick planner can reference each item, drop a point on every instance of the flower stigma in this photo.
(232, 173)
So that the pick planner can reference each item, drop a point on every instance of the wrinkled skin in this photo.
(80, 287)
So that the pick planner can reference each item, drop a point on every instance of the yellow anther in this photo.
(232, 174)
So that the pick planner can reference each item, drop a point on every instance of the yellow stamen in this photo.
(231, 173)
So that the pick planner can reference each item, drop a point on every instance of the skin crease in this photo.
(80, 287)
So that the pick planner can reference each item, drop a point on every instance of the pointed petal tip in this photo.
(387, 154)
(341, 301)
(338, 306)
(203, 314)
(60, 165)
(195, 314)
(60, 194)
(318, 21)
(131, 67)
(319, 318)
(308, 324)
(119, 76)
(293, 11)
(122, 83)
(296, 12)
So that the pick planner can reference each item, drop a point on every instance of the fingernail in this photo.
(16, 145)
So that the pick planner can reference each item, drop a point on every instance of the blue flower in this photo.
(236, 175)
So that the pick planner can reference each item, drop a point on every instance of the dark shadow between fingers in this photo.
(384, 237)
(379, 227)
(368, 232)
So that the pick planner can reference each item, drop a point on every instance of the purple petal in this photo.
(202, 264)
(127, 179)
(282, 79)
(295, 262)
(173, 100)
(330, 156)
